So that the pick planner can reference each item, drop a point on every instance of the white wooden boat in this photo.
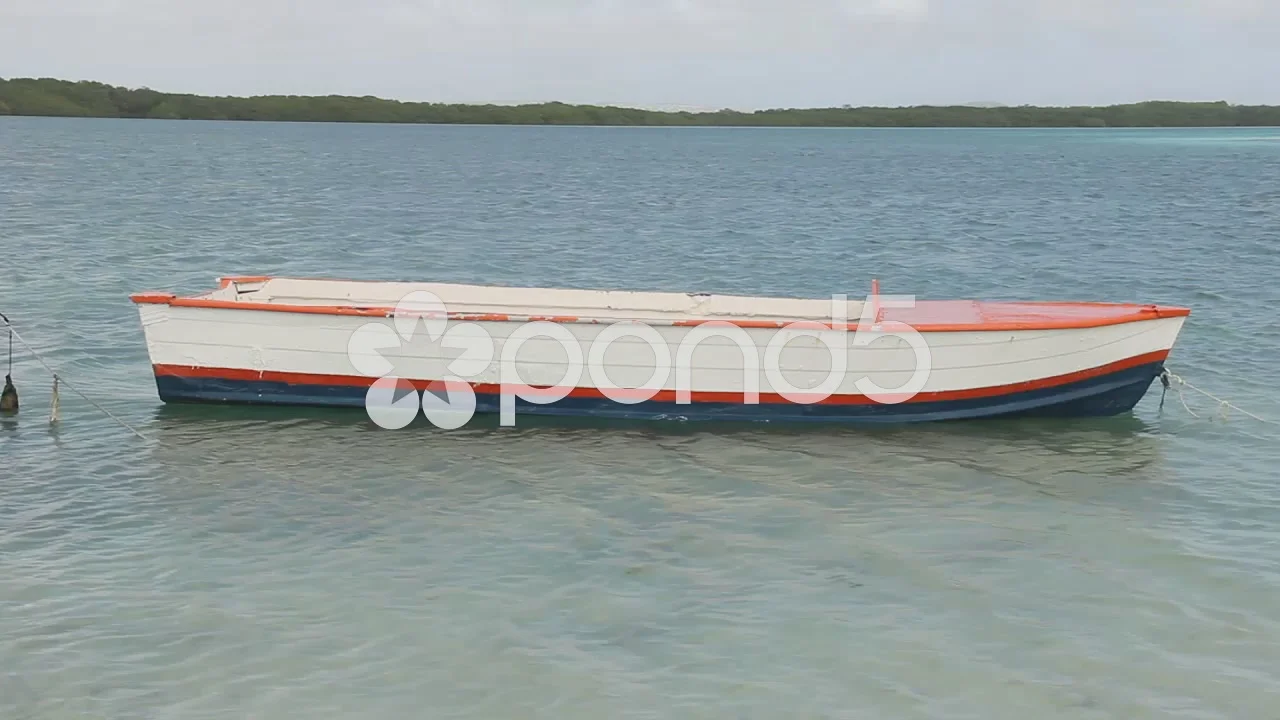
(292, 341)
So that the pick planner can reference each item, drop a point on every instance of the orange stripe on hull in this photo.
(928, 316)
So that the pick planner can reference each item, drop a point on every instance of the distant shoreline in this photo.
(46, 97)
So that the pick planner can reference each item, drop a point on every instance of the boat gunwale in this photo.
(1139, 313)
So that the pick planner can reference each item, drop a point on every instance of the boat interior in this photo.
(496, 302)
(462, 299)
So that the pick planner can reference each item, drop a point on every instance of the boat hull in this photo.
(261, 341)
(1113, 392)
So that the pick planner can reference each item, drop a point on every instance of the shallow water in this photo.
(280, 563)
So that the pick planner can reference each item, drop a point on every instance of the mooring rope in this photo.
(1223, 405)
(60, 378)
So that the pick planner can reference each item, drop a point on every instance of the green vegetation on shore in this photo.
(50, 97)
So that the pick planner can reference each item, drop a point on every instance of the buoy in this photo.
(9, 396)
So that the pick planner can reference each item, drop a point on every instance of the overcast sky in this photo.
(743, 54)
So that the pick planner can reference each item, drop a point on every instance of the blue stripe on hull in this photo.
(1110, 394)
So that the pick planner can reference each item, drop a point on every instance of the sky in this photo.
(695, 54)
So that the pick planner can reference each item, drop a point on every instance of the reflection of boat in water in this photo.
(1028, 450)
(290, 341)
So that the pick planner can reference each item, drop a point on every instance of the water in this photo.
(280, 564)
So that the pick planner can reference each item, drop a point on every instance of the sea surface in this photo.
(241, 563)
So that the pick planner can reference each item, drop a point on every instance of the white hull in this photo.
(981, 359)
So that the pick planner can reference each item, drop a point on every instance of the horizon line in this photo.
(673, 108)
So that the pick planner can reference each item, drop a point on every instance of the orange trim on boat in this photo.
(1000, 317)
(153, 298)
(226, 282)
(668, 395)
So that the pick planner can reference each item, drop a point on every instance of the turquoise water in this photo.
(281, 564)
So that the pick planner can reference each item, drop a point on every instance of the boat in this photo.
(650, 355)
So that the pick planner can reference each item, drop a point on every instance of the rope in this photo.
(59, 377)
(1223, 405)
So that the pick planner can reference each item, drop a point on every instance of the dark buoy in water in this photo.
(9, 397)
